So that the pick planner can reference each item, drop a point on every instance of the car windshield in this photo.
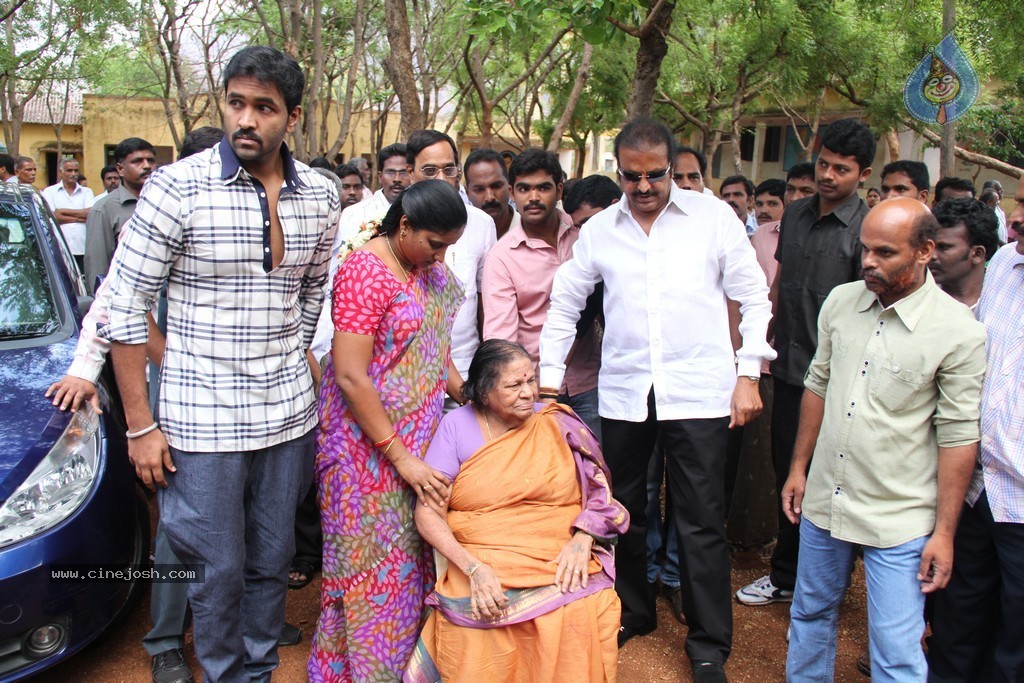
(27, 308)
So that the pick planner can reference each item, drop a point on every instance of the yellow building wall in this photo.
(39, 138)
(108, 120)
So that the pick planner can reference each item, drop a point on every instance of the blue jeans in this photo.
(895, 608)
(585, 406)
(234, 513)
(661, 534)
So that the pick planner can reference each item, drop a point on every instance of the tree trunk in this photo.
(947, 144)
(358, 41)
(399, 68)
(649, 56)
(582, 74)
(892, 141)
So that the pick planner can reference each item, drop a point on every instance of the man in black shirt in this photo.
(819, 248)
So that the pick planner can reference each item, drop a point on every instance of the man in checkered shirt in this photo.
(977, 626)
(241, 234)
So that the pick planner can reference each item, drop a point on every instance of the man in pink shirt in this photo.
(520, 269)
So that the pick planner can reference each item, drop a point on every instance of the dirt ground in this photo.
(759, 644)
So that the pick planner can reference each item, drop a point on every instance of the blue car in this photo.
(69, 500)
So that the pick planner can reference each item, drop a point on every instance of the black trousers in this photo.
(695, 467)
(978, 622)
(785, 417)
(308, 535)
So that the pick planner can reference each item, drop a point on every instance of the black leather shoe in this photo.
(708, 672)
(627, 632)
(675, 598)
(864, 663)
(170, 667)
(290, 635)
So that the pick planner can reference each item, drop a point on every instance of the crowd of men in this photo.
(669, 318)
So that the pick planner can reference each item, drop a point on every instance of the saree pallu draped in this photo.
(515, 504)
(376, 568)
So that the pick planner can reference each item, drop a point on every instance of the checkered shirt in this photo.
(234, 375)
(1001, 456)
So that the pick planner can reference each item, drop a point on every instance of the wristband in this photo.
(472, 569)
(142, 432)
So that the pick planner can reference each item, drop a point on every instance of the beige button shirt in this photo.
(898, 383)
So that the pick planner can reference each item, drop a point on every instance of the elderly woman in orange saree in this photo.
(525, 587)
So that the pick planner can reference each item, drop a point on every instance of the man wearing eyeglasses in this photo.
(668, 260)
(431, 155)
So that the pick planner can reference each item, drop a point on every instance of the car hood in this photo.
(29, 424)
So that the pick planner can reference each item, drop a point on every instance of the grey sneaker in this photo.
(763, 592)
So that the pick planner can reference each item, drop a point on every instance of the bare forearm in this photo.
(156, 343)
(454, 383)
(435, 531)
(130, 370)
(812, 412)
(71, 215)
(733, 308)
(956, 466)
(364, 402)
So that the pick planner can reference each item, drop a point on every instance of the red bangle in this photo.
(387, 441)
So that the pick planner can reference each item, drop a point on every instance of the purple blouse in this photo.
(457, 438)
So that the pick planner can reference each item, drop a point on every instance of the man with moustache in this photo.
(689, 170)
(519, 270)
(70, 202)
(24, 171)
(241, 234)
(800, 183)
(819, 248)
(487, 187)
(738, 192)
(393, 178)
(769, 201)
(134, 159)
(668, 260)
(967, 239)
(351, 185)
(431, 155)
(977, 632)
(889, 432)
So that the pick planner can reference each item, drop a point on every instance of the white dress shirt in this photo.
(80, 198)
(352, 219)
(666, 323)
(465, 258)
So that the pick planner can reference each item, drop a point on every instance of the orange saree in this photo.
(515, 503)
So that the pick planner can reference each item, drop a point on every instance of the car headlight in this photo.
(58, 485)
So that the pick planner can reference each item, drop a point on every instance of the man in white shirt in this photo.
(70, 203)
(431, 155)
(668, 260)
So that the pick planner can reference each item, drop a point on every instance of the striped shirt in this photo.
(1001, 455)
(234, 376)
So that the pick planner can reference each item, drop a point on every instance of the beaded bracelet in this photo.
(142, 432)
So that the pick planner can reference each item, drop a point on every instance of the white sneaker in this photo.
(763, 592)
